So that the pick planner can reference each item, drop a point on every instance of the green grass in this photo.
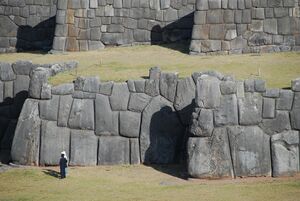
(131, 183)
(123, 63)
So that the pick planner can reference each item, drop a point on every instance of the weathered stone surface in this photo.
(139, 86)
(228, 87)
(152, 87)
(46, 91)
(185, 99)
(83, 95)
(277, 125)
(250, 109)
(37, 78)
(130, 123)
(8, 27)
(107, 121)
(6, 72)
(22, 67)
(249, 85)
(210, 157)
(119, 97)
(26, 143)
(113, 150)
(87, 84)
(167, 85)
(138, 102)
(271, 93)
(65, 104)
(21, 84)
(260, 85)
(295, 119)
(227, 113)
(134, 151)
(208, 92)
(106, 88)
(49, 108)
(82, 114)
(54, 140)
(268, 108)
(130, 84)
(285, 100)
(285, 153)
(84, 147)
(161, 131)
(63, 89)
(296, 84)
(250, 151)
(204, 125)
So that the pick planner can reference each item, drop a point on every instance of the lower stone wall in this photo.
(14, 84)
(242, 129)
(100, 123)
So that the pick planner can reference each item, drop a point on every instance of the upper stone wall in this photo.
(90, 24)
(244, 26)
(26, 25)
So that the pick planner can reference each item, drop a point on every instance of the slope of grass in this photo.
(123, 63)
(138, 183)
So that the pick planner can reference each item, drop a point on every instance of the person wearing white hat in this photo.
(63, 163)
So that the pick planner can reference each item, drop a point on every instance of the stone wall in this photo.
(242, 129)
(26, 25)
(90, 24)
(14, 84)
(104, 122)
(244, 26)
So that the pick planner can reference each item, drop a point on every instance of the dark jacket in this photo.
(63, 162)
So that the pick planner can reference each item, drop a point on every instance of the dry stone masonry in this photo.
(242, 129)
(221, 126)
(213, 26)
(244, 26)
(15, 81)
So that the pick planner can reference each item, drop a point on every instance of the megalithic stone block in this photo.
(26, 143)
(54, 140)
(210, 157)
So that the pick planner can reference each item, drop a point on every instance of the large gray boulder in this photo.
(203, 124)
(167, 85)
(22, 67)
(138, 101)
(49, 108)
(87, 84)
(250, 151)
(277, 125)
(295, 119)
(185, 99)
(227, 113)
(208, 92)
(209, 157)
(106, 88)
(26, 143)
(113, 150)
(63, 89)
(38, 77)
(285, 153)
(54, 140)
(21, 84)
(65, 104)
(82, 114)
(130, 123)
(84, 147)
(107, 121)
(285, 100)
(250, 109)
(119, 97)
(161, 132)
(6, 72)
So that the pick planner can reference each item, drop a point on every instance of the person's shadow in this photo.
(52, 173)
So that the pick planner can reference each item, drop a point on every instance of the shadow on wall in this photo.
(176, 35)
(35, 38)
(167, 141)
(10, 110)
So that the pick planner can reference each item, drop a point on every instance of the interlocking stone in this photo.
(119, 97)
(279, 124)
(49, 108)
(65, 103)
(208, 92)
(227, 113)
(250, 150)
(210, 157)
(84, 146)
(167, 85)
(138, 102)
(250, 109)
(54, 140)
(6, 72)
(285, 153)
(130, 123)
(285, 100)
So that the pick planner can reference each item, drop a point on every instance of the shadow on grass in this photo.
(176, 170)
(52, 173)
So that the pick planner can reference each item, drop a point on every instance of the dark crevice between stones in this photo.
(176, 35)
(37, 38)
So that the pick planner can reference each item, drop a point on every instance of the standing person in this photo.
(66, 157)
(62, 164)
